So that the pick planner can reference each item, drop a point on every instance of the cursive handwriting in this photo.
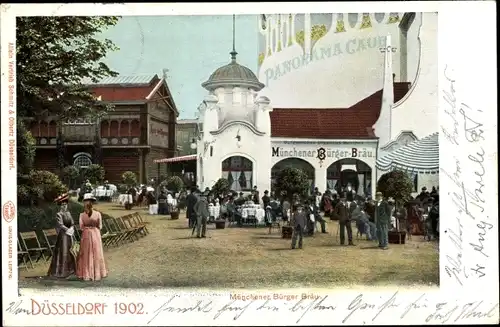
(472, 131)
(479, 159)
(316, 304)
(455, 266)
(357, 305)
(389, 304)
(419, 303)
(200, 306)
(230, 307)
(442, 313)
(15, 308)
(451, 100)
(479, 270)
(471, 310)
(483, 228)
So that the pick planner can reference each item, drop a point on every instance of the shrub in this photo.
(26, 147)
(292, 181)
(71, 175)
(222, 186)
(94, 173)
(129, 178)
(173, 183)
(396, 184)
(45, 185)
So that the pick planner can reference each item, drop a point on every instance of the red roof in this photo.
(333, 123)
(123, 93)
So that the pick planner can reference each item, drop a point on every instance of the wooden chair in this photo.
(128, 233)
(107, 234)
(137, 222)
(114, 232)
(22, 255)
(50, 236)
(131, 225)
(34, 245)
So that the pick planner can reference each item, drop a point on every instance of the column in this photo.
(141, 165)
(320, 178)
(374, 181)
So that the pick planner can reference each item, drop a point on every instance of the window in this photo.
(82, 160)
(239, 173)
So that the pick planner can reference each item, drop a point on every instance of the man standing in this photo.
(202, 214)
(382, 221)
(266, 199)
(343, 214)
(191, 200)
(255, 194)
(317, 215)
(299, 220)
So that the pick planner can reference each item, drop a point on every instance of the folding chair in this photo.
(34, 245)
(50, 236)
(129, 224)
(139, 223)
(111, 235)
(127, 232)
(21, 255)
(118, 230)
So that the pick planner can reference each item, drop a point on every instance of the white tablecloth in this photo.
(214, 211)
(153, 209)
(123, 198)
(258, 213)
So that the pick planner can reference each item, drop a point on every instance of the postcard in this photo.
(249, 164)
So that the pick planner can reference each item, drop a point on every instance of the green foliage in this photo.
(173, 183)
(26, 147)
(43, 216)
(94, 173)
(41, 185)
(54, 56)
(71, 176)
(222, 186)
(129, 178)
(396, 184)
(292, 181)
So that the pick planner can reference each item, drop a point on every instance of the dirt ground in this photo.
(250, 258)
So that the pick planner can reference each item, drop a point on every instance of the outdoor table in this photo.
(214, 211)
(255, 211)
(123, 198)
(153, 209)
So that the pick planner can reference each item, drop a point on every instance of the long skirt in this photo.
(63, 262)
(91, 264)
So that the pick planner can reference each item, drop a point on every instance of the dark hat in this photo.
(62, 198)
(266, 191)
(424, 188)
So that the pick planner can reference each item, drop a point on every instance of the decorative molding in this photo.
(251, 127)
(403, 134)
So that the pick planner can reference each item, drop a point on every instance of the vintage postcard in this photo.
(249, 164)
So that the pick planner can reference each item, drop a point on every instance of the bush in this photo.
(44, 185)
(222, 186)
(396, 184)
(26, 147)
(94, 173)
(173, 183)
(71, 175)
(292, 181)
(37, 218)
(129, 178)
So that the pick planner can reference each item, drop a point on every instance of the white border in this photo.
(466, 45)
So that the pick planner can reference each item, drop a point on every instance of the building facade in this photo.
(140, 129)
(328, 100)
(186, 132)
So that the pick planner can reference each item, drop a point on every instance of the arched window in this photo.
(82, 160)
(239, 172)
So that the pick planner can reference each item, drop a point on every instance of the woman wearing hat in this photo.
(63, 262)
(90, 265)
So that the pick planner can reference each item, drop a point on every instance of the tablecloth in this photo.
(123, 198)
(214, 211)
(258, 213)
(153, 209)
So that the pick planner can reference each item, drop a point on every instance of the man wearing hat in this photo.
(63, 262)
(382, 220)
(299, 220)
(202, 214)
(343, 214)
(266, 199)
(191, 200)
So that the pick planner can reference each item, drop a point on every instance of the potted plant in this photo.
(174, 212)
(220, 223)
(398, 185)
(293, 183)
(222, 186)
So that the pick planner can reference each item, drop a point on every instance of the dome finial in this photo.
(234, 53)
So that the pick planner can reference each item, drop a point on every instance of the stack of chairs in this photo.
(125, 229)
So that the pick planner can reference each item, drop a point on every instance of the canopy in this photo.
(420, 156)
(176, 159)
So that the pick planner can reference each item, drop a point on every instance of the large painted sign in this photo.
(322, 153)
(328, 60)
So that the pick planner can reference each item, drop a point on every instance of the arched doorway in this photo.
(301, 164)
(238, 171)
(349, 172)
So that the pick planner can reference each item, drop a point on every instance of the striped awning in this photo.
(176, 159)
(420, 156)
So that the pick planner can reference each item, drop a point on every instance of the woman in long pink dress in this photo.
(91, 264)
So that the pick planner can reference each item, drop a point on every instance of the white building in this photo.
(325, 108)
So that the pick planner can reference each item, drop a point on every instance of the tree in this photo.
(55, 54)
(173, 183)
(292, 181)
(222, 186)
(396, 184)
(129, 178)
(26, 147)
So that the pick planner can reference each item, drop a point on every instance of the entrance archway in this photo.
(301, 164)
(238, 171)
(349, 172)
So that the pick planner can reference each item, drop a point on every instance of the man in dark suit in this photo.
(382, 220)
(191, 200)
(266, 199)
(299, 220)
(343, 214)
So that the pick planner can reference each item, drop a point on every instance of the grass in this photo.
(251, 258)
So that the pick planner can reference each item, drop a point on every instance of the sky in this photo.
(190, 47)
